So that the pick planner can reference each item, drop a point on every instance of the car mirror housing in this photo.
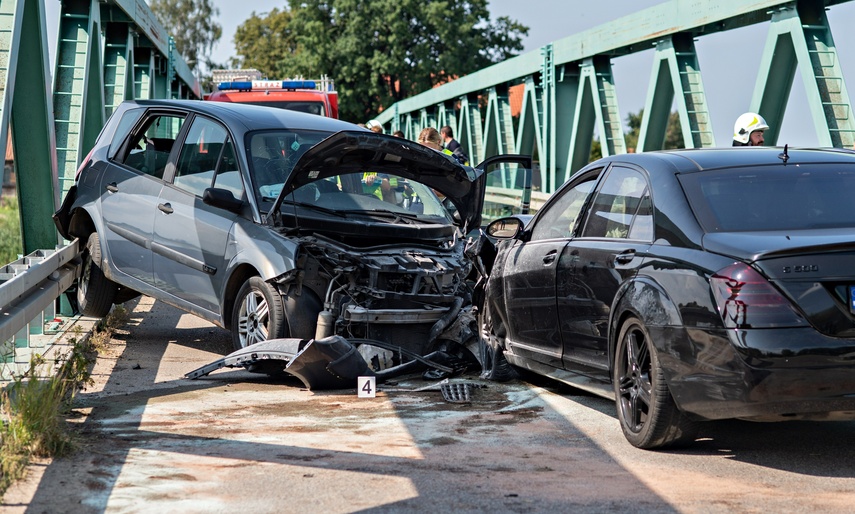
(222, 198)
(505, 228)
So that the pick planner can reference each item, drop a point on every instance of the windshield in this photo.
(794, 197)
(384, 197)
(272, 156)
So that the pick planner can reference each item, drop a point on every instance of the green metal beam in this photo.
(78, 92)
(118, 65)
(801, 37)
(30, 115)
(499, 126)
(574, 94)
(676, 68)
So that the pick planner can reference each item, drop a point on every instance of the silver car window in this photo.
(199, 156)
(149, 150)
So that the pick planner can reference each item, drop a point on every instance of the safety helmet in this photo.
(746, 124)
(373, 123)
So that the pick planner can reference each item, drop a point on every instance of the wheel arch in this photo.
(240, 275)
(81, 224)
(647, 300)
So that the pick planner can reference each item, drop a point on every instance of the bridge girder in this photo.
(568, 94)
(107, 51)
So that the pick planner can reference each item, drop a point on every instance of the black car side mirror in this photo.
(505, 228)
(222, 198)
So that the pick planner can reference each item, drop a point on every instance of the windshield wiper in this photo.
(386, 213)
(340, 214)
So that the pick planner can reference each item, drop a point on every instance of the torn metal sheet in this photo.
(269, 357)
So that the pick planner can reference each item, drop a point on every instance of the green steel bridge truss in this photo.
(112, 50)
(107, 51)
(568, 91)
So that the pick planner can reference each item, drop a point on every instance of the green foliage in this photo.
(378, 52)
(673, 134)
(32, 411)
(33, 408)
(11, 245)
(192, 26)
(265, 42)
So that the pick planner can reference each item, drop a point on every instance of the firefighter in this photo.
(748, 130)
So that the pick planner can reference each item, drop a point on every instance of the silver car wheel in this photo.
(254, 315)
(259, 314)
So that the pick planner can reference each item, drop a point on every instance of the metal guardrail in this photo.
(29, 289)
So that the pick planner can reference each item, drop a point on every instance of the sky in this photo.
(729, 60)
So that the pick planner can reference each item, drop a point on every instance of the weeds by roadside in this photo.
(33, 408)
(10, 230)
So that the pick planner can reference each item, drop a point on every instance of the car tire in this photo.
(258, 314)
(491, 345)
(648, 415)
(95, 292)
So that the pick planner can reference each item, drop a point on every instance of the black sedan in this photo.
(689, 285)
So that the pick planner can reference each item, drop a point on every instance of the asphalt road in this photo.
(152, 441)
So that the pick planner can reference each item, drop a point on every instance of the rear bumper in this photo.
(770, 374)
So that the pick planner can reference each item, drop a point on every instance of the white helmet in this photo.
(373, 123)
(746, 124)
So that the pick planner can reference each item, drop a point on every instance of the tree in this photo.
(191, 24)
(265, 42)
(378, 52)
(673, 134)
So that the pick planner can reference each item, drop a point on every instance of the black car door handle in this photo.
(625, 257)
(549, 258)
(165, 207)
(112, 187)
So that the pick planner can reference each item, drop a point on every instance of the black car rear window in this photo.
(794, 197)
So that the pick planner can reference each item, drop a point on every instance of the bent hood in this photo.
(355, 151)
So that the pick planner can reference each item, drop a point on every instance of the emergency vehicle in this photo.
(247, 86)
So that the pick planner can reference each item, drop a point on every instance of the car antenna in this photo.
(784, 156)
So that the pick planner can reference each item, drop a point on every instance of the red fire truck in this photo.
(246, 86)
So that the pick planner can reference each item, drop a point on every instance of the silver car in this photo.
(276, 224)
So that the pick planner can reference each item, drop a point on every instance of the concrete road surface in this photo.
(152, 441)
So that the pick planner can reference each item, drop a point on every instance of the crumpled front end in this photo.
(413, 297)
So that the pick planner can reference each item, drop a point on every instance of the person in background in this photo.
(398, 133)
(448, 138)
(748, 130)
(452, 145)
(374, 126)
(430, 138)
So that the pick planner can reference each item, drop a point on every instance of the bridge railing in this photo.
(29, 290)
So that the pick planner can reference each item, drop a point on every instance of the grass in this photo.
(11, 245)
(33, 408)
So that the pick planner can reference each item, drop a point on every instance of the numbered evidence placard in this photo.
(366, 387)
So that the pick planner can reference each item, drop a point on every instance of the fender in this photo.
(645, 299)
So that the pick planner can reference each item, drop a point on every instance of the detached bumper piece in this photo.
(269, 357)
(328, 363)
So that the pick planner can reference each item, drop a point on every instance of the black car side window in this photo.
(616, 203)
(559, 221)
(149, 149)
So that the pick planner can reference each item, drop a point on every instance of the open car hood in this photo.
(354, 151)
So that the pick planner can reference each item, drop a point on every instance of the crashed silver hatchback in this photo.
(276, 224)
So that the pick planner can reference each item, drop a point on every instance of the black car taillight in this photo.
(747, 300)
